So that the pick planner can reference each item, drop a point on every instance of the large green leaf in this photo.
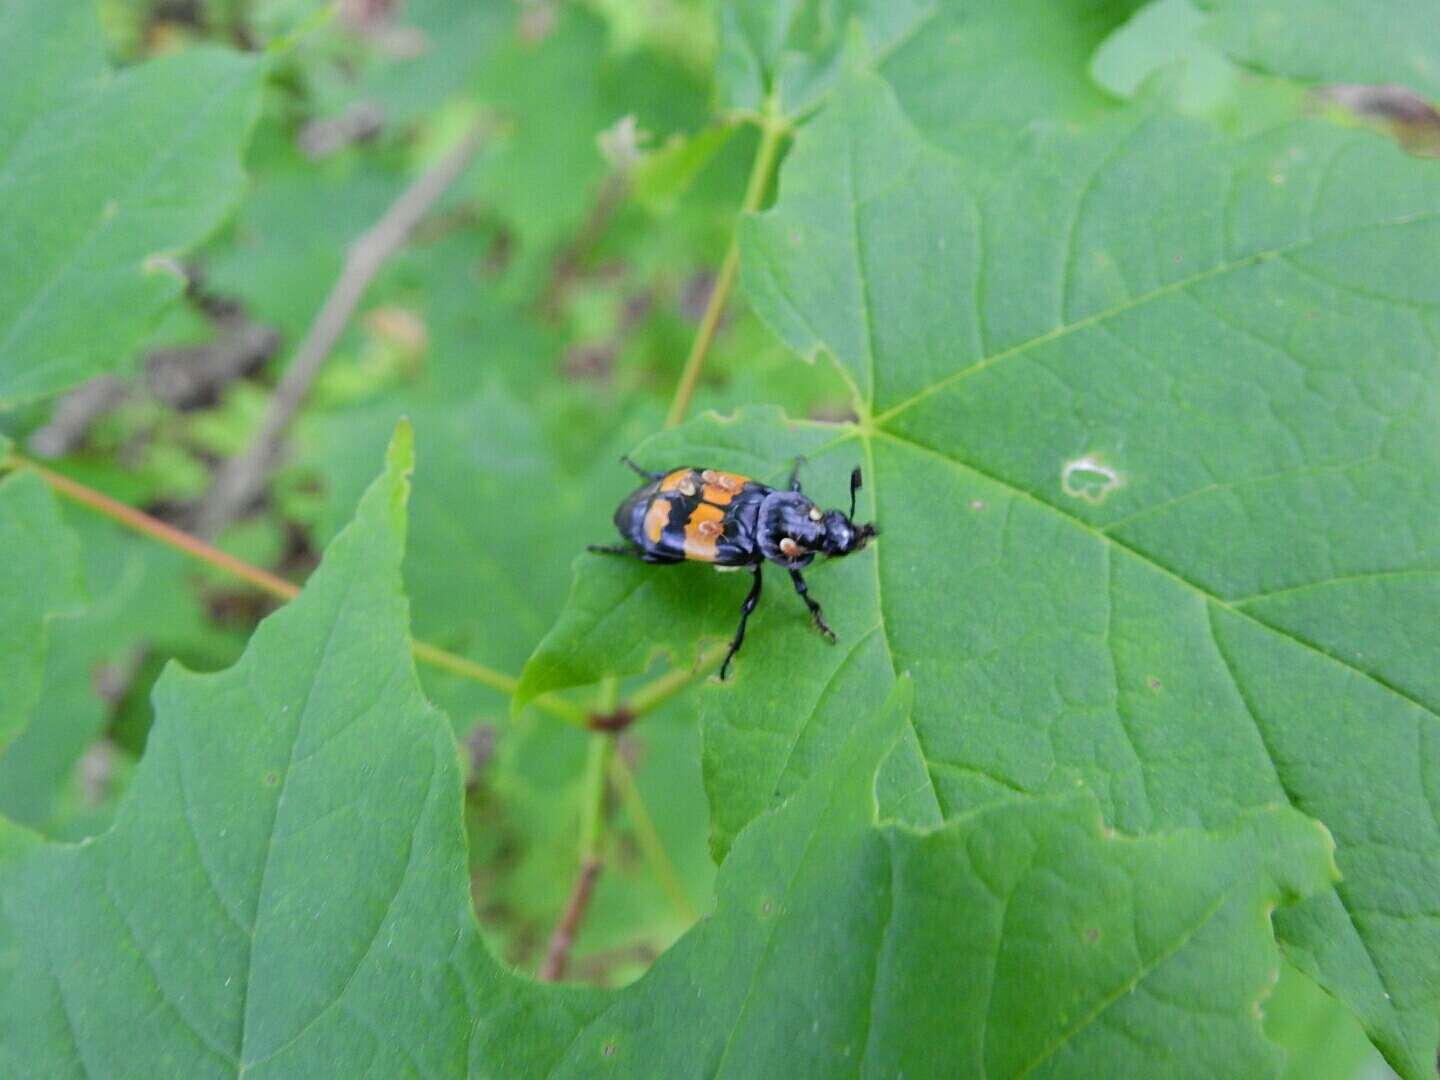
(980, 71)
(1025, 939)
(1149, 424)
(284, 893)
(451, 41)
(103, 177)
(39, 577)
(138, 599)
(288, 243)
(62, 47)
(1180, 423)
(1384, 41)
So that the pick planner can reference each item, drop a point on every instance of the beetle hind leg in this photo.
(816, 616)
(614, 549)
(645, 473)
(746, 608)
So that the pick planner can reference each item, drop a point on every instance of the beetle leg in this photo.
(646, 473)
(745, 609)
(815, 616)
(613, 549)
(795, 474)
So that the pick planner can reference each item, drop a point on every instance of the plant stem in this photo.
(773, 130)
(168, 535)
(649, 837)
(269, 583)
(469, 669)
(241, 479)
(656, 693)
(592, 819)
(592, 810)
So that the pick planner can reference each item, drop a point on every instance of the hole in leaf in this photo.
(1089, 478)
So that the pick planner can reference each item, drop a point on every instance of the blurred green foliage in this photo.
(533, 330)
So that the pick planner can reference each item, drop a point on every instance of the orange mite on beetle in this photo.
(694, 514)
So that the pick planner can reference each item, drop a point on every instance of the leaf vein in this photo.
(1117, 310)
(1294, 801)
(1151, 561)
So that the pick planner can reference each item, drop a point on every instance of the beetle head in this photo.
(842, 536)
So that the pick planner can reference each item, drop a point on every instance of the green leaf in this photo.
(138, 600)
(979, 72)
(554, 97)
(284, 891)
(1147, 422)
(39, 577)
(1156, 532)
(1321, 1039)
(1166, 36)
(291, 238)
(104, 179)
(447, 43)
(835, 947)
(473, 525)
(793, 50)
(62, 47)
(1385, 41)
(662, 176)
(608, 626)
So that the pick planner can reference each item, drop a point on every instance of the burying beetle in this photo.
(731, 521)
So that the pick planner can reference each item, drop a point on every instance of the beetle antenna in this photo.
(854, 487)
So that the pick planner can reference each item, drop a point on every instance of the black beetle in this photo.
(730, 521)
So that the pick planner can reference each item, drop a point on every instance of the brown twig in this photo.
(592, 820)
(241, 480)
(557, 952)
(185, 377)
(75, 414)
(360, 121)
(153, 527)
(270, 583)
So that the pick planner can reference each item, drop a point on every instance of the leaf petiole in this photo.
(773, 130)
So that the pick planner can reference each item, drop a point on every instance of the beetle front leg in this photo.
(815, 615)
(794, 481)
(745, 609)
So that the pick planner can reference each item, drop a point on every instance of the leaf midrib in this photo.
(1114, 311)
(1146, 970)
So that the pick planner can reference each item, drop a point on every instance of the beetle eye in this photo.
(815, 514)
